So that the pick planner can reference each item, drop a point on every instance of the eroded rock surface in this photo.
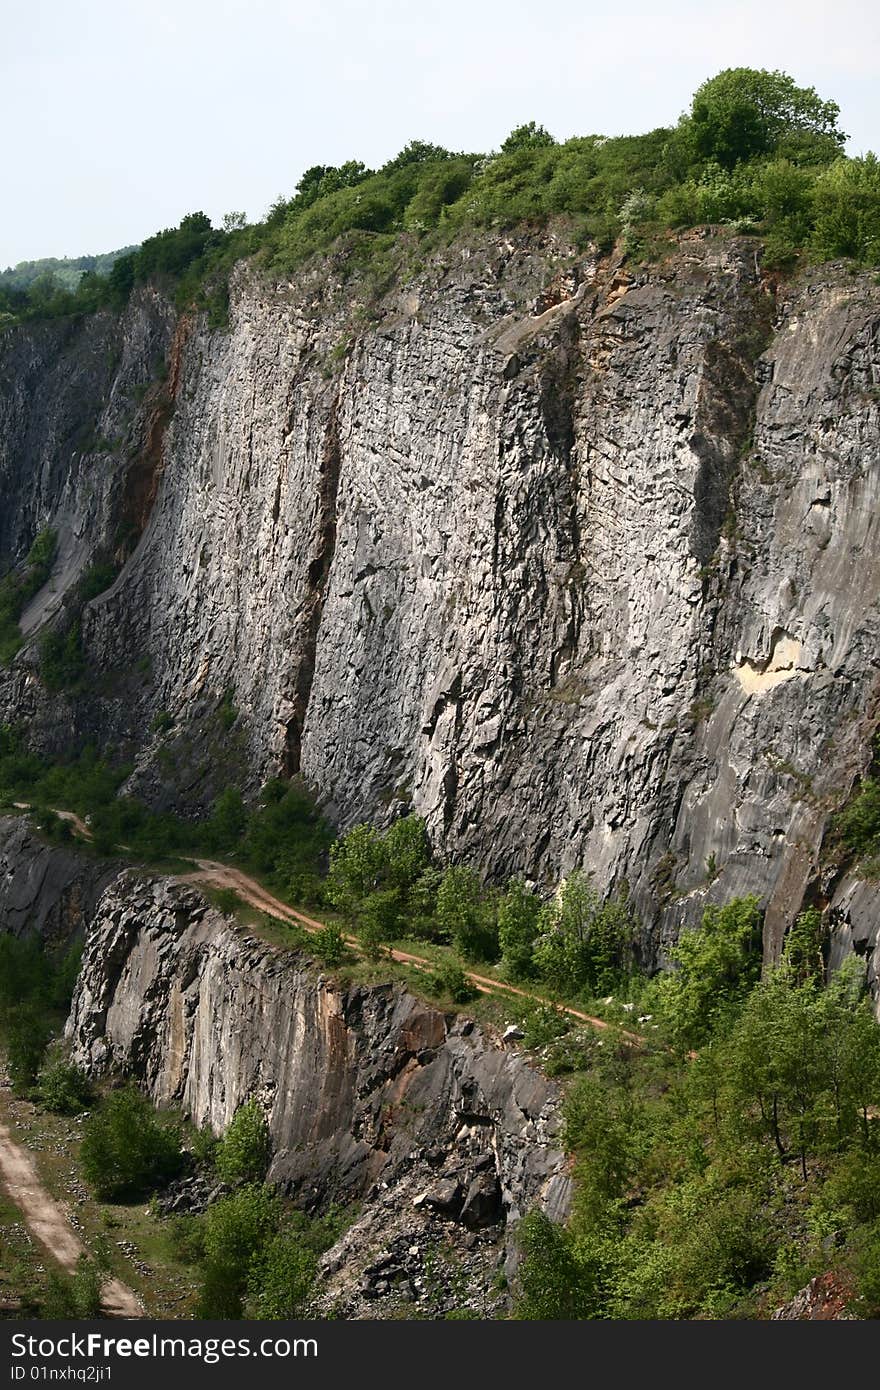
(577, 560)
(46, 890)
(371, 1095)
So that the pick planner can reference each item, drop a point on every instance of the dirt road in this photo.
(46, 1220)
(211, 873)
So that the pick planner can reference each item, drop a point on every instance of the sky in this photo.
(118, 118)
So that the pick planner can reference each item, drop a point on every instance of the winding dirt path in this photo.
(211, 873)
(46, 1219)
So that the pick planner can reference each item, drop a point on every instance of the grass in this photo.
(168, 1291)
(24, 1264)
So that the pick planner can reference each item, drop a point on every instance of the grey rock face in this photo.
(578, 562)
(853, 918)
(370, 1094)
(46, 890)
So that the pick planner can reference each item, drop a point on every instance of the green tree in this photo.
(127, 1149)
(228, 820)
(76, 1295)
(450, 978)
(63, 1088)
(358, 863)
(378, 918)
(747, 112)
(530, 136)
(407, 852)
(555, 1283)
(281, 1279)
(26, 1033)
(847, 217)
(584, 944)
(245, 1151)
(717, 964)
(518, 915)
(237, 1229)
(802, 950)
(464, 914)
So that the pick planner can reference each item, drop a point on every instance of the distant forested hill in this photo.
(67, 271)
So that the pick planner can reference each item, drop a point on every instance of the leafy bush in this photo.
(36, 985)
(543, 1023)
(63, 1088)
(847, 210)
(76, 1295)
(717, 964)
(466, 915)
(585, 944)
(237, 1229)
(286, 838)
(17, 587)
(127, 1150)
(519, 914)
(227, 900)
(62, 660)
(450, 979)
(558, 1281)
(329, 944)
(743, 113)
(244, 1153)
(859, 822)
(281, 1279)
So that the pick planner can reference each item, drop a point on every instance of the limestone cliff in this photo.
(46, 890)
(444, 1135)
(574, 557)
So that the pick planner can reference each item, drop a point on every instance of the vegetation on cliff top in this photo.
(755, 152)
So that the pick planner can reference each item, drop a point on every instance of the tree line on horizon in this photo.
(755, 152)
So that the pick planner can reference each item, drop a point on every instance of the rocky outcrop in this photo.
(827, 1298)
(443, 1135)
(47, 890)
(79, 403)
(576, 559)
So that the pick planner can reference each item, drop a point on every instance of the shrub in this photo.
(237, 1228)
(557, 1282)
(76, 1295)
(746, 112)
(227, 900)
(62, 660)
(63, 1088)
(847, 203)
(543, 1023)
(518, 915)
(128, 1151)
(859, 822)
(281, 1279)
(228, 820)
(466, 915)
(718, 963)
(26, 1034)
(186, 1237)
(585, 945)
(329, 945)
(358, 863)
(244, 1153)
(451, 979)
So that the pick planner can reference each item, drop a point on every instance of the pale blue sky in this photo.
(118, 118)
